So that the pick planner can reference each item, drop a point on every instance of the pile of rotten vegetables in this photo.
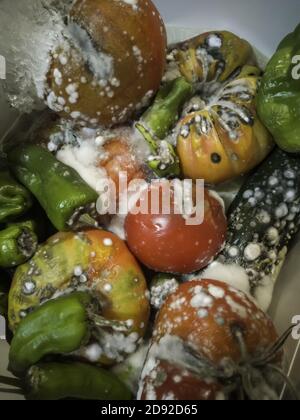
(79, 304)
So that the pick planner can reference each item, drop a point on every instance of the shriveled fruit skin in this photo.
(133, 41)
(227, 138)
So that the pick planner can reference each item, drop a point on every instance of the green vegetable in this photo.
(165, 111)
(58, 381)
(262, 221)
(18, 243)
(58, 188)
(279, 94)
(58, 327)
(15, 200)
(54, 381)
(164, 161)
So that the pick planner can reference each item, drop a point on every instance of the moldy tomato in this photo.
(166, 243)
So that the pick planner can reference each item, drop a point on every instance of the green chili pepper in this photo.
(18, 243)
(59, 326)
(15, 200)
(59, 189)
(164, 113)
(58, 381)
(279, 94)
(164, 161)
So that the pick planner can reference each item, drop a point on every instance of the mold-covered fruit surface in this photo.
(110, 65)
(206, 339)
(95, 261)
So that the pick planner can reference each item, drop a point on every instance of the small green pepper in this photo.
(58, 381)
(164, 113)
(54, 381)
(279, 94)
(59, 326)
(15, 200)
(59, 189)
(18, 243)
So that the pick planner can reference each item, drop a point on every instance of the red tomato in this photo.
(207, 325)
(171, 382)
(165, 243)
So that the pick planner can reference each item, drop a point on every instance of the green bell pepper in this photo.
(15, 200)
(18, 243)
(59, 189)
(278, 98)
(165, 111)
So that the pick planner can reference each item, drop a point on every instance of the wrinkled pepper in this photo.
(15, 200)
(59, 189)
(279, 94)
(95, 261)
(58, 381)
(161, 117)
(18, 243)
(59, 326)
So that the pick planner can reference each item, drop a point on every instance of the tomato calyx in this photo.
(244, 380)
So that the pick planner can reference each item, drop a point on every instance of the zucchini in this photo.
(262, 221)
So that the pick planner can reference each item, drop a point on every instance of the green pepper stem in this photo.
(164, 112)
(87, 220)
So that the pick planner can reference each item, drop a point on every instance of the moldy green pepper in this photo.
(15, 200)
(60, 326)
(158, 121)
(18, 243)
(59, 189)
(279, 94)
(165, 111)
(164, 161)
(57, 381)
